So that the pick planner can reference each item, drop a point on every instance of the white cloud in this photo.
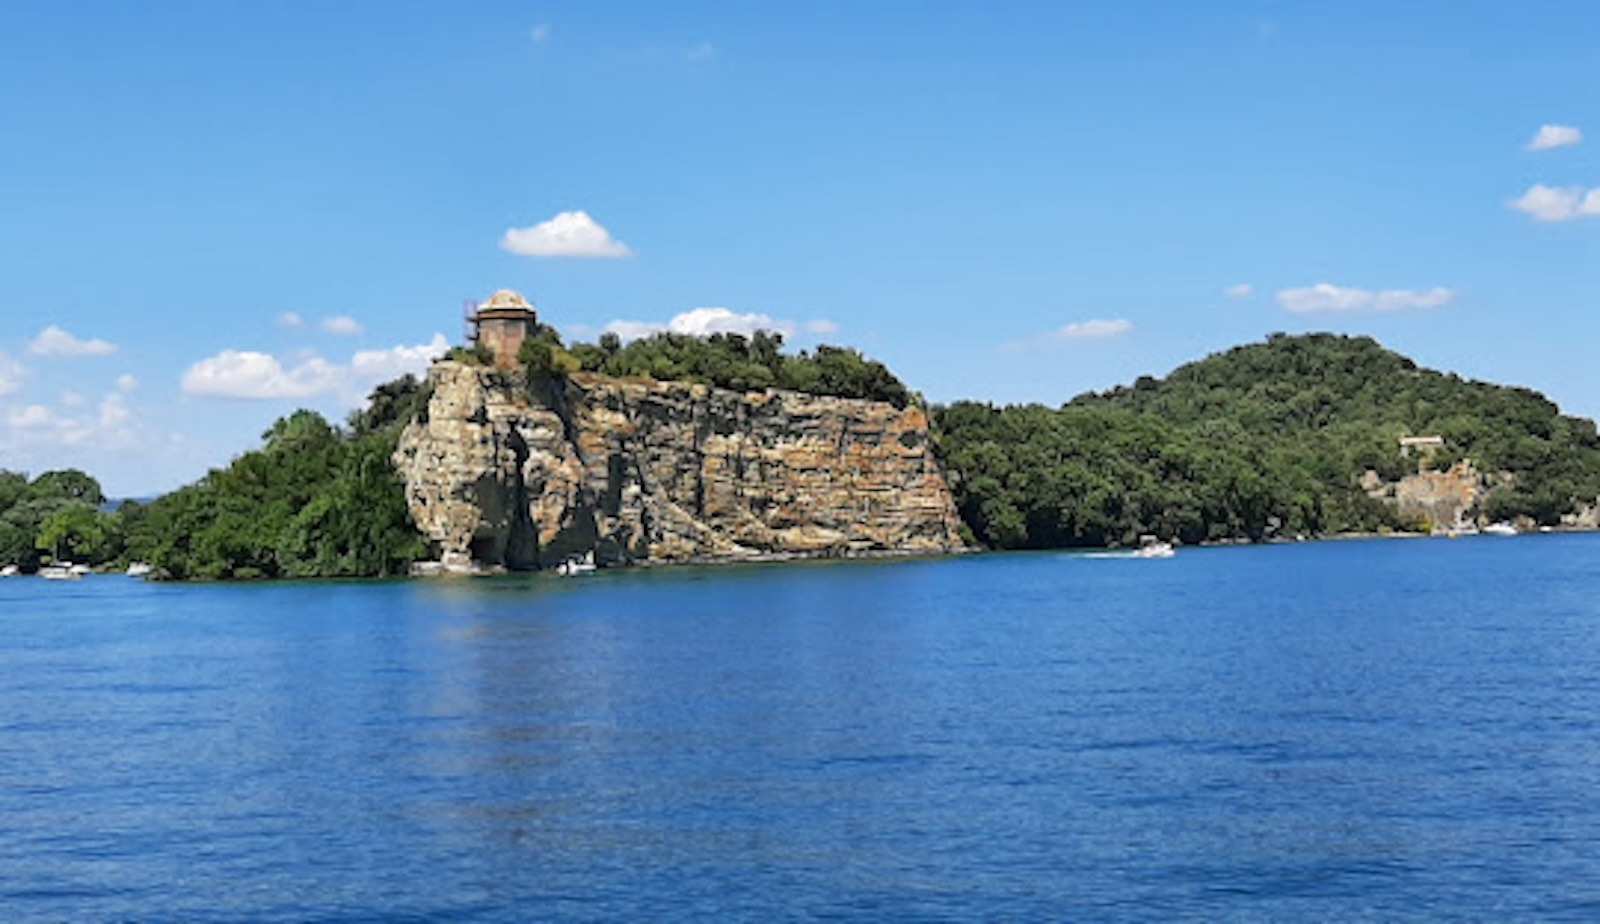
(31, 417)
(701, 51)
(290, 319)
(569, 234)
(1092, 330)
(53, 341)
(343, 325)
(1554, 136)
(634, 330)
(127, 382)
(579, 331)
(247, 374)
(703, 322)
(72, 399)
(1326, 297)
(540, 32)
(1558, 203)
(105, 426)
(382, 365)
(113, 411)
(1096, 329)
(1242, 290)
(11, 374)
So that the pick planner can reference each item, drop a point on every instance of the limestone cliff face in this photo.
(499, 474)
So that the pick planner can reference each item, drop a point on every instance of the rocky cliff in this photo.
(1442, 499)
(499, 472)
(1448, 499)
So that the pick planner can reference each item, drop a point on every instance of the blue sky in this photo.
(212, 214)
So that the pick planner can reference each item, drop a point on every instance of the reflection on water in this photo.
(1318, 731)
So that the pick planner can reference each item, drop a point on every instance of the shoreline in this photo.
(437, 569)
(433, 570)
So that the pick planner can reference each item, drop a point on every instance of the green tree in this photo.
(313, 501)
(733, 361)
(26, 505)
(67, 485)
(392, 405)
(74, 532)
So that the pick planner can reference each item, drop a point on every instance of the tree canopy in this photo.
(55, 517)
(724, 360)
(314, 501)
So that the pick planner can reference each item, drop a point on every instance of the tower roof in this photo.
(505, 300)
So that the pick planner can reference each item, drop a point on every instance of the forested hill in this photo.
(1268, 438)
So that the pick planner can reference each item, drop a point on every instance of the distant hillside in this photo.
(1269, 438)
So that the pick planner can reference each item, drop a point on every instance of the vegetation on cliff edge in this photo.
(724, 360)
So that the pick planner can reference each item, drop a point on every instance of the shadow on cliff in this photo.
(579, 533)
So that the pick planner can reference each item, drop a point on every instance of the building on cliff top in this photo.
(502, 323)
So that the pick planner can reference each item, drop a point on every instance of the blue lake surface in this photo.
(1333, 731)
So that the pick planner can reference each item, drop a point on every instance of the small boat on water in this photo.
(1151, 547)
(139, 569)
(64, 571)
(10, 571)
(80, 570)
(1500, 529)
(577, 564)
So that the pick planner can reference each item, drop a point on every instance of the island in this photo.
(518, 452)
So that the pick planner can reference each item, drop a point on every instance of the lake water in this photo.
(1332, 731)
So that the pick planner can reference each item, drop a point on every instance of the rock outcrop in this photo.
(499, 473)
(1444, 500)
(1586, 517)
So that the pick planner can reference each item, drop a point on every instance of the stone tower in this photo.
(502, 323)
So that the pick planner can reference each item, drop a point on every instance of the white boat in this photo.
(80, 570)
(10, 571)
(1500, 529)
(1151, 547)
(577, 564)
(139, 569)
(61, 572)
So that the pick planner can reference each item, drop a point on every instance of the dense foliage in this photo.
(55, 517)
(724, 360)
(314, 501)
(1262, 440)
(391, 406)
